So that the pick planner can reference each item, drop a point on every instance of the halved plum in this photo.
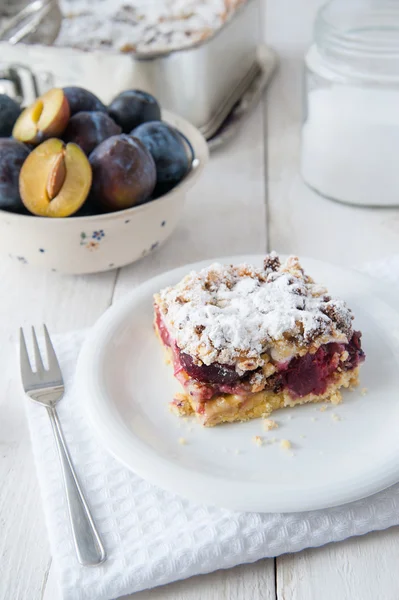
(47, 117)
(55, 179)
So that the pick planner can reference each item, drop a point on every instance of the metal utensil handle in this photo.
(88, 545)
(26, 21)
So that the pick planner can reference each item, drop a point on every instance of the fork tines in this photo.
(52, 373)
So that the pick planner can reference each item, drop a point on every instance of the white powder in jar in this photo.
(350, 144)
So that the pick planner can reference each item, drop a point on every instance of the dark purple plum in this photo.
(124, 173)
(80, 100)
(9, 113)
(215, 373)
(89, 208)
(89, 129)
(133, 107)
(12, 157)
(168, 150)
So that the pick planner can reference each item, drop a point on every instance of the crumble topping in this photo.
(242, 315)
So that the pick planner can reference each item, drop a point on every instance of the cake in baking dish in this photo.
(142, 26)
(246, 341)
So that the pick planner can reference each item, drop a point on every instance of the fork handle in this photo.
(89, 548)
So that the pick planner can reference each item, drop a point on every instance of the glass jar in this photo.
(350, 133)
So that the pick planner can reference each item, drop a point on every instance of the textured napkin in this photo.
(153, 537)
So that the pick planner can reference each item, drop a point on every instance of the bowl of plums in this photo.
(86, 187)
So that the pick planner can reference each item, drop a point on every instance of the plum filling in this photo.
(215, 373)
(309, 374)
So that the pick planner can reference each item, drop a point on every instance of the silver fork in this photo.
(46, 387)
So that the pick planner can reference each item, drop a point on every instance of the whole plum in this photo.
(133, 107)
(9, 113)
(168, 150)
(124, 173)
(12, 156)
(80, 100)
(89, 129)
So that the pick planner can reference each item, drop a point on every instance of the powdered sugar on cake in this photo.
(241, 315)
(141, 25)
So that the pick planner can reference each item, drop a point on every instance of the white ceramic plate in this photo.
(128, 387)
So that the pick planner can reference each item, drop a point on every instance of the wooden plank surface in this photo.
(358, 569)
(224, 215)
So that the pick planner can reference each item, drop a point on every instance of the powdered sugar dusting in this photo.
(141, 25)
(234, 314)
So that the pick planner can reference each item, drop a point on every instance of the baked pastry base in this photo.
(229, 408)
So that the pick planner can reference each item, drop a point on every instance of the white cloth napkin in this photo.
(153, 537)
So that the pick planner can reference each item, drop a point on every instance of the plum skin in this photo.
(80, 100)
(12, 156)
(168, 151)
(89, 129)
(9, 113)
(124, 173)
(133, 107)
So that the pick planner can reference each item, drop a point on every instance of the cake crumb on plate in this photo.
(285, 444)
(258, 440)
(335, 417)
(182, 441)
(269, 424)
(363, 391)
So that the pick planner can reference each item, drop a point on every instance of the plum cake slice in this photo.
(245, 341)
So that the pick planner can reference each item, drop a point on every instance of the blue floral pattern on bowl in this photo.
(92, 242)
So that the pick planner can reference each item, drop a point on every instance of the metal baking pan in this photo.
(201, 83)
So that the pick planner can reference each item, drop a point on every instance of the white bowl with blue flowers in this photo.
(96, 243)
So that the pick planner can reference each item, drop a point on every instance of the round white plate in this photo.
(338, 455)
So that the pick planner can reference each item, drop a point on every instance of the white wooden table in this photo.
(250, 200)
